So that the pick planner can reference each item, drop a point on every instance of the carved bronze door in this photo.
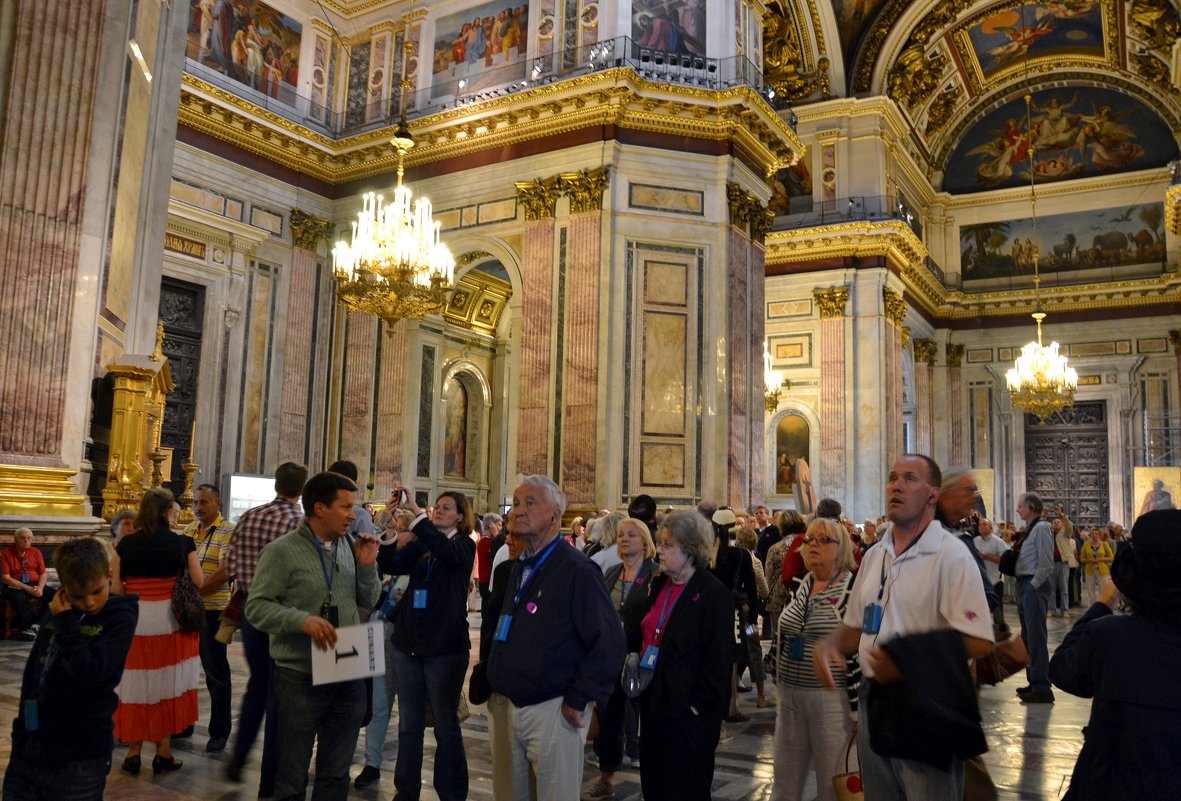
(1066, 461)
(182, 308)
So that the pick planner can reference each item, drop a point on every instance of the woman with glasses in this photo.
(686, 640)
(813, 724)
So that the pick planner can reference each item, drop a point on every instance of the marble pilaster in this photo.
(738, 371)
(955, 406)
(758, 333)
(390, 411)
(356, 409)
(829, 470)
(895, 311)
(925, 351)
(581, 359)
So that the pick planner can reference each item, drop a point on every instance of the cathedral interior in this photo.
(642, 199)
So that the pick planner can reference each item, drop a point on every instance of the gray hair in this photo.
(954, 475)
(1033, 501)
(608, 528)
(491, 519)
(553, 494)
(692, 535)
(117, 520)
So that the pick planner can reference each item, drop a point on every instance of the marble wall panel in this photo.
(664, 380)
(662, 465)
(780, 309)
(665, 284)
(297, 358)
(534, 426)
(667, 199)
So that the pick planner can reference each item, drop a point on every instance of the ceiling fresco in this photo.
(1004, 40)
(852, 18)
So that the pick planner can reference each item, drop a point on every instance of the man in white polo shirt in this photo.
(919, 579)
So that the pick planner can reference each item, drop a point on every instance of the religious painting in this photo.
(455, 428)
(853, 17)
(1070, 133)
(1008, 37)
(793, 438)
(671, 26)
(791, 189)
(1095, 244)
(248, 41)
(480, 48)
(1155, 488)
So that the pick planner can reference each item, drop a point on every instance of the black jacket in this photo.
(440, 628)
(1127, 665)
(75, 708)
(631, 612)
(696, 651)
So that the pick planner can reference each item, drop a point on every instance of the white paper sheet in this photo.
(359, 652)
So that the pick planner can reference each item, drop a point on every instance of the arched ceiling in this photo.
(1100, 73)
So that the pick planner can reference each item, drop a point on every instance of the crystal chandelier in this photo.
(773, 381)
(396, 266)
(1041, 382)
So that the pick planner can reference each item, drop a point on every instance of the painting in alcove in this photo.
(791, 188)
(248, 41)
(455, 429)
(1073, 132)
(793, 476)
(1069, 246)
(673, 26)
(1006, 38)
(483, 46)
(852, 18)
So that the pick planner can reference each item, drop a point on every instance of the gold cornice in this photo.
(611, 97)
(890, 238)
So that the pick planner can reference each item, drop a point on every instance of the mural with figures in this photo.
(482, 47)
(853, 17)
(791, 188)
(1008, 37)
(674, 26)
(1072, 132)
(1110, 240)
(249, 41)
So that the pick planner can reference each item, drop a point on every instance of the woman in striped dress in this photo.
(158, 694)
(813, 725)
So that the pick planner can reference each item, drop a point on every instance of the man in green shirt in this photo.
(308, 583)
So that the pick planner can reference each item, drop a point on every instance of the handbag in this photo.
(634, 679)
(1006, 658)
(231, 618)
(848, 784)
(1008, 563)
(187, 606)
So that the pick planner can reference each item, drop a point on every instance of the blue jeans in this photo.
(894, 779)
(1032, 605)
(80, 780)
(327, 716)
(384, 693)
(1061, 594)
(258, 702)
(216, 665)
(439, 680)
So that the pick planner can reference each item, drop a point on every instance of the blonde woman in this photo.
(1096, 558)
(608, 530)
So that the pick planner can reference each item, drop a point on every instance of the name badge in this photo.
(648, 660)
(795, 648)
(31, 723)
(502, 627)
(24, 578)
(871, 619)
(331, 614)
(420, 599)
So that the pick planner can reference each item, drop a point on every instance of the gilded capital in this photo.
(585, 189)
(747, 213)
(831, 302)
(895, 306)
(926, 350)
(905, 335)
(955, 355)
(1175, 338)
(736, 202)
(539, 197)
(307, 231)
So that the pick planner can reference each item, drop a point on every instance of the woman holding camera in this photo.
(431, 643)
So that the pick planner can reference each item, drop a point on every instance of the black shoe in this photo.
(1046, 697)
(161, 765)
(369, 775)
(132, 765)
(215, 745)
(234, 770)
(1026, 690)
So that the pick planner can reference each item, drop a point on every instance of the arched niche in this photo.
(789, 428)
(464, 423)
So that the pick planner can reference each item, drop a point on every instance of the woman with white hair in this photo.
(608, 530)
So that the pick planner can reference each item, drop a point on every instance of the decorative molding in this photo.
(307, 231)
(926, 351)
(464, 259)
(955, 355)
(831, 302)
(894, 305)
(1175, 338)
(747, 213)
(538, 197)
(584, 188)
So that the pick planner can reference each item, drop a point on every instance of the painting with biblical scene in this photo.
(482, 47)
(1073, 132)
(1127, 241)
(853, 18)
(791, 188)
(1067, 27)
(793, 438)
(455, 428)
(673, 26)
(248, 41)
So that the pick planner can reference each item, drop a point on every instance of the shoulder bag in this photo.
(187, 606)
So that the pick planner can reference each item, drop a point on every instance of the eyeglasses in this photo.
(821, 540)
(665, 544)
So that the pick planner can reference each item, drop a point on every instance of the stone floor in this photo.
(1033, 748)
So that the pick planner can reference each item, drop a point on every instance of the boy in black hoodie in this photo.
(62, 737)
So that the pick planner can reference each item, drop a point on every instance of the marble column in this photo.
(391, 412)
(895, 310)
(955, 405)
(535, 423)
(306, 231)
(829, 471)
(580, 353)
(356, 409)
(925, 351)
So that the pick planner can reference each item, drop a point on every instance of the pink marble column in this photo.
(758, 324)
(43, 166)
(356, 410)
(297, 355)
(924, 360)
(829, 469)
(738, 370)
(955, 405)
(390, 411)
(535, 421)
(580, 374)
(895, 311)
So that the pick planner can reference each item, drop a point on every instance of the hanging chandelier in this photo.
(772, 381)
(396, 266)
(1041, 382)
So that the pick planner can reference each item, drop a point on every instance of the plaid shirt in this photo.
(256, 527)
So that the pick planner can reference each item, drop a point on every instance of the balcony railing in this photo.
(460, 84)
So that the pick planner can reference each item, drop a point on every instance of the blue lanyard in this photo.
(666, 610)
(430, 568)
(533, 570)
(328, 579)
(812, 599)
